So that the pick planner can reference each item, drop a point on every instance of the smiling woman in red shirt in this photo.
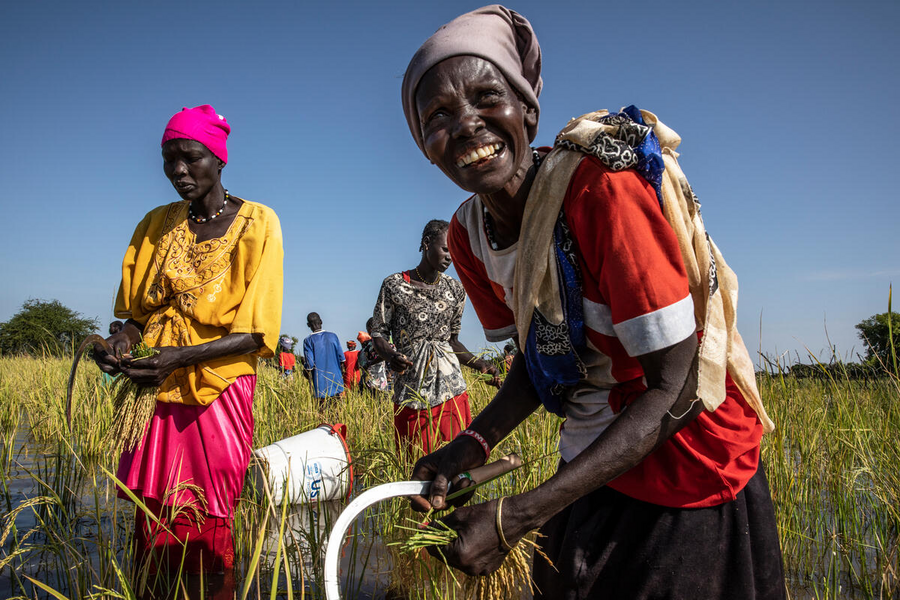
(655, 496)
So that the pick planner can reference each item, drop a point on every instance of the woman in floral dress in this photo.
(421, 311)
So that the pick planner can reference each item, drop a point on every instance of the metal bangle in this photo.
(503, 542)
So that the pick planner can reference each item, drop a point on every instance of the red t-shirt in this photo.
(636, 300)
(351, 373)
(287, 360)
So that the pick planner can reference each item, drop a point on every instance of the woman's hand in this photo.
(151, 371)
(478, 550)
(399, 362)
(121, 343)
(489, 369)
(439, 467)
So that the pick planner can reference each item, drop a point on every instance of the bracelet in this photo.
(478, 438)
(500, 535)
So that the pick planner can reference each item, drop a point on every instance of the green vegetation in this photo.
(881, 334)
(44, 327)
(832, 465)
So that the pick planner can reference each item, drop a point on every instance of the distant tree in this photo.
(874, 333)
(42, 326)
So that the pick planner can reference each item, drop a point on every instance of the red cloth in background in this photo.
(287, 360)
(425, 429)
(351, 365)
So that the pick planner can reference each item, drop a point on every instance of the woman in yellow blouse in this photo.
(202, 283)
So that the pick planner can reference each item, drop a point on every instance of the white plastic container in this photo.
(310, 467)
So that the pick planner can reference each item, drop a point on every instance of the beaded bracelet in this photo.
(478, 438)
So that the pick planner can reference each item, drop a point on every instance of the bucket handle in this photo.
(340, 430)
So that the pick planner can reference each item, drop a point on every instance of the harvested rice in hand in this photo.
(509, 581)
(133, 406)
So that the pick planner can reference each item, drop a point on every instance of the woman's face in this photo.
(437, 253)
(473, 124)
(191, 167)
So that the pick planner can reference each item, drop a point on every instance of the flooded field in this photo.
(833, 465)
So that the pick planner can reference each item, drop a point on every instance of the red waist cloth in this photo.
(208, 446)
(425, 429)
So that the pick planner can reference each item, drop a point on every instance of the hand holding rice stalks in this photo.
(133, 406)
(509, 581)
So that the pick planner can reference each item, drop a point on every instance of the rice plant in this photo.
(832, 465)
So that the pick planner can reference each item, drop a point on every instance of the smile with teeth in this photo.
(489, 151)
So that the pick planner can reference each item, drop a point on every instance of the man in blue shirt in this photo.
(324, 359)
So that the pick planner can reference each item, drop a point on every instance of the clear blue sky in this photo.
(788, 111)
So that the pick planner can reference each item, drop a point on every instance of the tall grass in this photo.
(834, 469)
(832, 465)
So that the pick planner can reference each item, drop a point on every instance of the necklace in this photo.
(197, 219)
(489, 220)
(422, 279)
(489, 228)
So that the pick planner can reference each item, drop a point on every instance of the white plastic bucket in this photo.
(309, 467)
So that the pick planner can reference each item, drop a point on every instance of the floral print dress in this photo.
(421, 320)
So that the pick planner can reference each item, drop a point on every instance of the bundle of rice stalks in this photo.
(511, 580)
(433, 533)
(133, 406)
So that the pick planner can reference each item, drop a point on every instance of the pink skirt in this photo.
(208, 446)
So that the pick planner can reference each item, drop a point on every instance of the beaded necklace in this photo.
(197, 219)
(489, 220)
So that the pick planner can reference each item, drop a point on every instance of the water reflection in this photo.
(365, 566)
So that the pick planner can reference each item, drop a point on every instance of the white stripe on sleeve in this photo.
(598, 317)
(658, 329)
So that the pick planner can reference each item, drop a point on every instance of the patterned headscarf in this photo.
(494, 33)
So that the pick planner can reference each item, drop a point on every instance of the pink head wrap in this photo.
(203, 125)
(494, 33)
(363, 337)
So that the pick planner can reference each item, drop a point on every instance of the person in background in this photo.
(660, 491)
(287, 361)
(210, 320)
(115, 327)
(351, 366)
(324, 360)
(373, 369)
(421, 311)
(509, 353)
(304, 369)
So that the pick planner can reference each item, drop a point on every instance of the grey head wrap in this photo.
(494, 33)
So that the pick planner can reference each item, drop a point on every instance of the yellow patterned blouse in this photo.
(187, 293)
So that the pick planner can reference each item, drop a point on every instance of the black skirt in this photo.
(608, 545)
